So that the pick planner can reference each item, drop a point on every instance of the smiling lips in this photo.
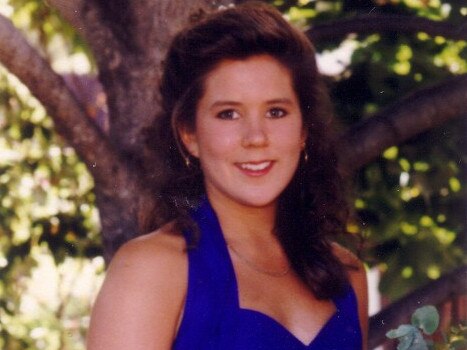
(255, 168)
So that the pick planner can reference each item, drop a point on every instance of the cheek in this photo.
(215, 141)
(291, 138)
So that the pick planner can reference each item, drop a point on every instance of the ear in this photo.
(190, 141)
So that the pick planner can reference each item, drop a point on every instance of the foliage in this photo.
(49, 232)
(425, 321)
(456, 339)
(408, 201)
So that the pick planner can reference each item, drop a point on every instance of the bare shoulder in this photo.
(143, 294)
(357, 277)
(154, 257)
(346, 256)
(162, 247)
(355, 269)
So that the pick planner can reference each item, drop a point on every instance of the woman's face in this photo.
(248, 134)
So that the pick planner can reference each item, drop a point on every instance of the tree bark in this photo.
(115, 183)
(70, 11)
(69, 116)
(400, 311)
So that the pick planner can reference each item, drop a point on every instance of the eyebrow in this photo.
(280, 101)
(223, 103)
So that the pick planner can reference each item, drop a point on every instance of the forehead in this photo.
(258, 76)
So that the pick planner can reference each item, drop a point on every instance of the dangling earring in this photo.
(187, 161)
(305, 155)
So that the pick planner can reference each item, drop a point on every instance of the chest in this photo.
(286, 300)
(228, 307)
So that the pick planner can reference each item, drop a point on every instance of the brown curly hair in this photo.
(312, 209)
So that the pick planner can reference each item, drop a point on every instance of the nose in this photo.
(255, 133)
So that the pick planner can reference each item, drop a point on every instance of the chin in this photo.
(259, 201)
(246, 196)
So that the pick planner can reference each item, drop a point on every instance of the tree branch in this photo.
(115, 184)
(411, 116)
(51, 90)
(400, 311)
(369, 24)
(71, 11)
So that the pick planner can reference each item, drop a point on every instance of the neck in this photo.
(243, 222)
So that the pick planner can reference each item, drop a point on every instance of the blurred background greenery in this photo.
(410, 202)
(50, 264)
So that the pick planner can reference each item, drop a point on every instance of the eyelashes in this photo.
(277, 113)
(228, 114)
(232, 114)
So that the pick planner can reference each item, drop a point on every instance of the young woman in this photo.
(252, 200)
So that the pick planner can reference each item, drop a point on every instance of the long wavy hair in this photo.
(312, 209)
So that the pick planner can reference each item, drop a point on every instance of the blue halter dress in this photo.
(213, 319)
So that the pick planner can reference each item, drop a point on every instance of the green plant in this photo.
(457, 338)
(425, 321)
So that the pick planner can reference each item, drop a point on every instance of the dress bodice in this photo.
(214, 320)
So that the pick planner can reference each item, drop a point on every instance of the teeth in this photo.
(255, 167)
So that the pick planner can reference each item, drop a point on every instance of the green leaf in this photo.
(418, 342)
(426, 318)
(402, 330)
(409, 336)
(406, 342)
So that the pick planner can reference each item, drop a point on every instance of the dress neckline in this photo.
(222, 244)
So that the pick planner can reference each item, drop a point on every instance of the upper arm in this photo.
(358, 280)
(140, 302)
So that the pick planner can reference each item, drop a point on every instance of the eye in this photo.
(227, 114)
(277, 113)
